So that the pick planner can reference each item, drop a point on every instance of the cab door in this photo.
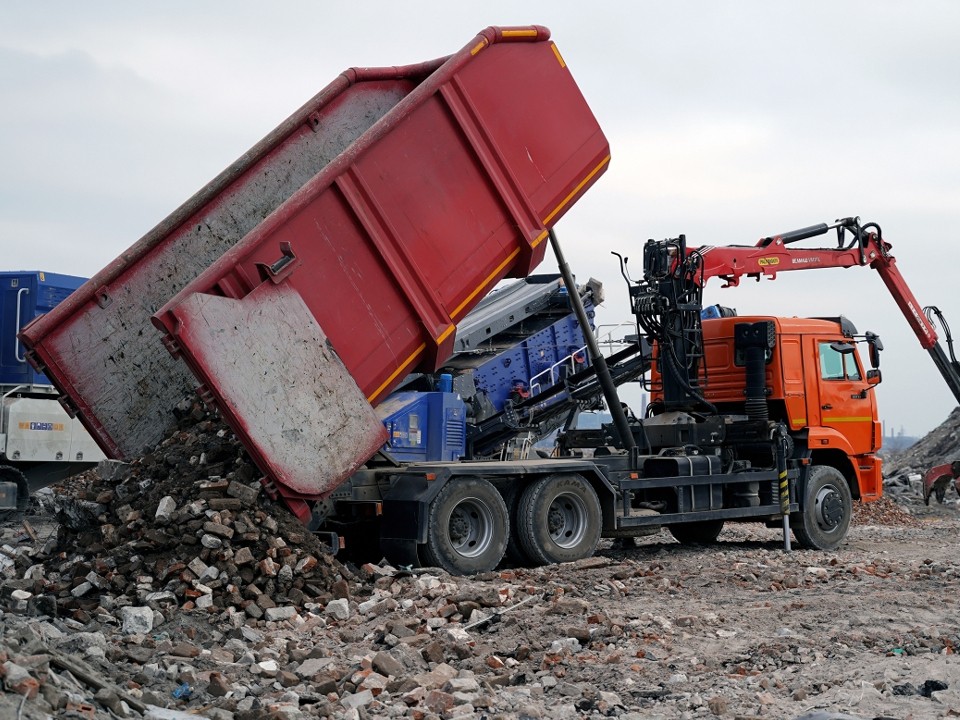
(846, 403)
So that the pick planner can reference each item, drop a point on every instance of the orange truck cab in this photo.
(817, 386)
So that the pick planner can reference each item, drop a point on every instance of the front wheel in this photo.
(467, 528)
(827, 509)
(558, 519)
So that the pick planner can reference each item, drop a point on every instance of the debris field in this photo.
(173, 588)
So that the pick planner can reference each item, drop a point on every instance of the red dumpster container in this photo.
(381, 251)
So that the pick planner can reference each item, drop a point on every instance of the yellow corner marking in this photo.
(485, 282)
(559, 56)
(540, 238)
(577, 189)
(479, 46)
(403, 366)
(519, 33)
(446, 333)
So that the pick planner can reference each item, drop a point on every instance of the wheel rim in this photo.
(828, 508)
(471, 527)
(567, 520)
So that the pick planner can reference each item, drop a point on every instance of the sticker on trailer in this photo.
(43, 426)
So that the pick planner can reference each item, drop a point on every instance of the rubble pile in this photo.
(940, 445)
(655, 630)
(903, 472)
(884, 511)
(184, 526)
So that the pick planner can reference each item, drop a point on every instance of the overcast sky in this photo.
(727, 122)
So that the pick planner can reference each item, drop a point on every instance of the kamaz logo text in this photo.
(45, 426)
(804, 260)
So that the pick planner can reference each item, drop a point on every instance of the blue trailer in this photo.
(40, 443)
(24, 296)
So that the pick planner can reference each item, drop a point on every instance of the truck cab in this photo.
(816, 385)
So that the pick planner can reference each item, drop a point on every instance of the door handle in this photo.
(828, 406)
(16, 333)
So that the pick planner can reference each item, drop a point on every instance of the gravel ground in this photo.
(167, 589)
(738, 629)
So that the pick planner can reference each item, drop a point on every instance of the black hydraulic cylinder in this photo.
(754, 340)
(593, 349)
(797, 235)
(947, 368)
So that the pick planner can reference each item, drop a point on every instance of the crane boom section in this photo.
(857, 245)
(771, 256)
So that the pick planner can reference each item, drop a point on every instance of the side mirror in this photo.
(875, 345)
(873, 377)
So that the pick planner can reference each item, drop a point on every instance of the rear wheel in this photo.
(467, 527)
(696, 533)
(515, 554)
(558, 519)
(823, 521)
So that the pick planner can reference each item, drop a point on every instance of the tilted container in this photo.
(362, 229)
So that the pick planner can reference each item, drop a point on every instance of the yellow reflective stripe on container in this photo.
(530, 32)
(485, 282)
(559, 56)
(577, 189)
(406, 363)
(479, 46)
(446, 333)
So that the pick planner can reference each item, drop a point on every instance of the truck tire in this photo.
(467, 528)
(696, 533)
(824, 518)
(515, 556)
(558, 519)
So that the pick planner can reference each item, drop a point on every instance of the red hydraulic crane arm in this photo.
(772, 255)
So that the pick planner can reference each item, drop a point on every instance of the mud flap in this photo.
(400, 553)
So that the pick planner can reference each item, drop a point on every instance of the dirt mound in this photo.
(884, 511)
(187, 522)
(940, 446)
